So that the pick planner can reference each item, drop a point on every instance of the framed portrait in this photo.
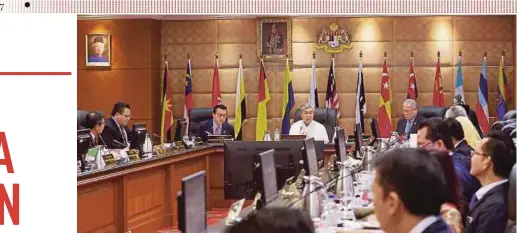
(98, 50)
(274, 38)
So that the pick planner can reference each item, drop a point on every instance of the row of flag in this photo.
(332, 97)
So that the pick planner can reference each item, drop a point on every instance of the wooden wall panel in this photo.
(101, 217)
(134, 76)
(373, 35)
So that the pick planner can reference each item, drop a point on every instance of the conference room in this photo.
(176, 110)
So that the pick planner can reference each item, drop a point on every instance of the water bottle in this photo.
(267, 136)
(277, 135)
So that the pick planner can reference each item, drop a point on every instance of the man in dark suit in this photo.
(408, 124)
(95, 123)
(492, 162)
(116, 134)
(433, 134)
(217, 125)
(400, 203)
(458, 138)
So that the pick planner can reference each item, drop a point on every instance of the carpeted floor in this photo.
(213, 216)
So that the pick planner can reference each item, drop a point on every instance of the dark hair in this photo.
(406, 171)
(502, 152)
(275, 220)
(453, 192)
(437, 130)
(93, 118)
(455, 128)
(219, 106)
(119, 108)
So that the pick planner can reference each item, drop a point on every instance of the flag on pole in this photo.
(482, 105)
(332, 96)
(287, 99)
(384, 117)
(360, 102)
(459, 97)
(502, 91)
(412, 90)
(216, 92)
(438, 99)
(313, 93)
(166, 97)
(240, 103)
(188, 95)
(263, 99)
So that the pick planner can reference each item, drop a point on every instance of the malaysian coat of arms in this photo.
(334, 38)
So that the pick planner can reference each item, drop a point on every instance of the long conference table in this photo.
(140, 196)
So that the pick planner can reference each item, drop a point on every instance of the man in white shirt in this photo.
(308, 126)
(492, 162)
(408, 191)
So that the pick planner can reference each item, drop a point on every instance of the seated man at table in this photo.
(116, 134)
(95, 122)
(217, 125)
(308, 126)
(409, 189)
(408, 124)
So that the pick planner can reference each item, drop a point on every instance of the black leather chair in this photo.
(197, 115)
(432, 111)
(81, 119)
(326, 117)
(511, 201)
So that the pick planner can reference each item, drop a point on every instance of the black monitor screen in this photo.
(138, 135)
(194, 194)
(83, 141)
(267, 164)
(310, 157)
(340, 144)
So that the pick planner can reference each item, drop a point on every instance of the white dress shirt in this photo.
(483, 190)
(424, 224)
(314, 129)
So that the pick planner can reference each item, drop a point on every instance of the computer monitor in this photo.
(240, 158)
(340, 144)
(268, 178)
(83, 144)
(192, 204)
(374, 124)
(138, 137)
(309, 157)
(358, 133)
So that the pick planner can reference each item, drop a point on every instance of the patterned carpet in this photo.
(213, 216)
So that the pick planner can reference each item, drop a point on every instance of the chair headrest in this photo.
(510, 115)
(81, 118)
(200, 114)
(320, 114)
(432, 111)
(511, 194)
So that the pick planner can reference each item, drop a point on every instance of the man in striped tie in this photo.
(217, 125)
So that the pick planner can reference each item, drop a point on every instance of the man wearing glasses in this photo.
(217, 125)
(116, 134)
(95, 122)
(434, 134)
(492, 162)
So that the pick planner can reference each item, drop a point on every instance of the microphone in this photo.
(338, 178)
(208, 133)
(119, 143)
(301, 129)
(159, 137)
(103, 142)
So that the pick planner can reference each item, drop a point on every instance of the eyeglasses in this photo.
(473, 152)
(427, 144)
(221, 115)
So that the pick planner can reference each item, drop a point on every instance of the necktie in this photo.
(124, 137)
(217, 130)
(408, 127)
(473, 202)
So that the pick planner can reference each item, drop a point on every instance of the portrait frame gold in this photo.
(98, 61)
(264, 26)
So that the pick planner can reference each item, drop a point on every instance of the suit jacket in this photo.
(207, 126)
(401, 125)
(438, 227)
(463, 148)
(111, 132)
(469, 184)
(490, 214)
